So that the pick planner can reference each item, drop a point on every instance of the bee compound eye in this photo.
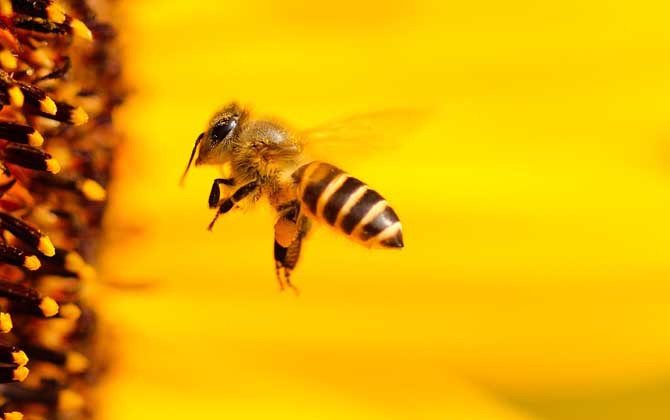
(222, 129)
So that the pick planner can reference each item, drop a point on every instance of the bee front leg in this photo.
(229, 202)
(215, 193)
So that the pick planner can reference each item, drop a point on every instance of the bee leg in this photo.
(214, 194)
(279, 272)
(283, 266)
(291, 228)
(229, 202)
(287, 279)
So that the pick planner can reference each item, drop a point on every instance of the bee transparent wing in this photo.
(359, 136)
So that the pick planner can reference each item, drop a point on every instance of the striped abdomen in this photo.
(342, 201)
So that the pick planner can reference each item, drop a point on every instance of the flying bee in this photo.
(268, 159)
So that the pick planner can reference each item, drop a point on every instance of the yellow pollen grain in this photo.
(21, 373)
(8, 60)
(35, 139)
(87, 273)
(81, 30)
(69, 400)
(46, 247)
(55, 13)
(20, 358)
(6, 7)
(48, 106)
(92, 190)
(76, 362)
(70, 311)
(16, 97)
(14, 415)
(78, 116)
(6, 324)
(31, 262)
(53, 166)
(48, 306)
(41, 57)
(74, 262)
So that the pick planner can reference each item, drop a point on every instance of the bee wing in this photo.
(361, 135)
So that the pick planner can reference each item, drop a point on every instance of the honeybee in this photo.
(267, 159)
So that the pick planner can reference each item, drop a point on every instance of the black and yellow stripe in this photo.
(330, 195)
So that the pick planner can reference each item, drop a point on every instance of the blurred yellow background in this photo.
(534, 201)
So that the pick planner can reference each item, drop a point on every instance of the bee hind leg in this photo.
(284, 266)
(290, 230)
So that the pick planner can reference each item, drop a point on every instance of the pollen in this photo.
(32, 263)
(48, 306)
(35, 139)
(81, 30)
(16, 97)
(48, 105)
(46, 247)
(20, 373)
(20, 358)
(92, 190)
(52, 166)
(8, 60)
(57, 140)
(79, 116)
(6, 324)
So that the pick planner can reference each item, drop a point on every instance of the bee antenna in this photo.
(190, 160)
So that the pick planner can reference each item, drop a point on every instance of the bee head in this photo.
(220, 131)
(215, 141)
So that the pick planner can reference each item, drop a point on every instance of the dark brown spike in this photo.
(30, 157)
(28, 300)
(67, 113)
(47, 394)
(44, 354)
(38, 99)
(60, 72)
(88, 188)
(72, 361)
(45, 9)
(27, 233)
(40, 26)
(18, 258)
(17, 93)
(66, 264)
(56, 181)
(37, 26)
(13, 373)
(12, 355)
(18, 133)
